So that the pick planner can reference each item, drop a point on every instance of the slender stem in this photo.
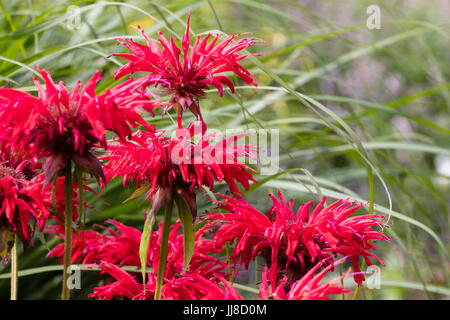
(81, 208)
(371, 208)
(371, 189)
(68, 231)
(256, 276)
(143, 246)
(163, 250)
(14, 268)
(215, 15)
(342, 281)
(230, 269)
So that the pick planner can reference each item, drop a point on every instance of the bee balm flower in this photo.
(62, 125)
(177, 166)
(291, 244)
(187, 77)
(22, 200)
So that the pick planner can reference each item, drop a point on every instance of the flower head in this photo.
(62, 125)
(121, 247)
(187, 77)
(23, 203)
(291, 244)
(170, 167)
(191, 286)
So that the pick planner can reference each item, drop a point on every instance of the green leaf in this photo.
(185, 215)
(255, 186)
(139, 191)
(82, 267)
(145, 238)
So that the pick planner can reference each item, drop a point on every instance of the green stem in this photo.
(143, 246)
(371, 207)
(14, 268)
(371, 189)
(256, 276)
(230, 269)
(163, 250)
(68, 231)
(82, 211)
(215, 15)
(342, 281)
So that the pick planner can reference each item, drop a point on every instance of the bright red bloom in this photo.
(306, 288)
(196, 287)
(86, 244)
(190, 286)
(187, 77)
(124, 286)
(177, 166)
(121, 248)
(23, 203)
(62, 126)
(292, 244)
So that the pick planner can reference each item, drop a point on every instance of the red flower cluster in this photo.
(25, 201)
(63, 125)
(191, 286)
(292, 244)
(121, 248)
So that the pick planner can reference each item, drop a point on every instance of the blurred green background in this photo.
(351, 102)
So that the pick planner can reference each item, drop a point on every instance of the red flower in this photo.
(124, 286)
(200, 281)
(188, 77)
(196, 287)
(292, 244)
(121, 248)
(190, 286)
(176, 166)
(86, 244)
(306, 288)
(63, 126)
(23, 203)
